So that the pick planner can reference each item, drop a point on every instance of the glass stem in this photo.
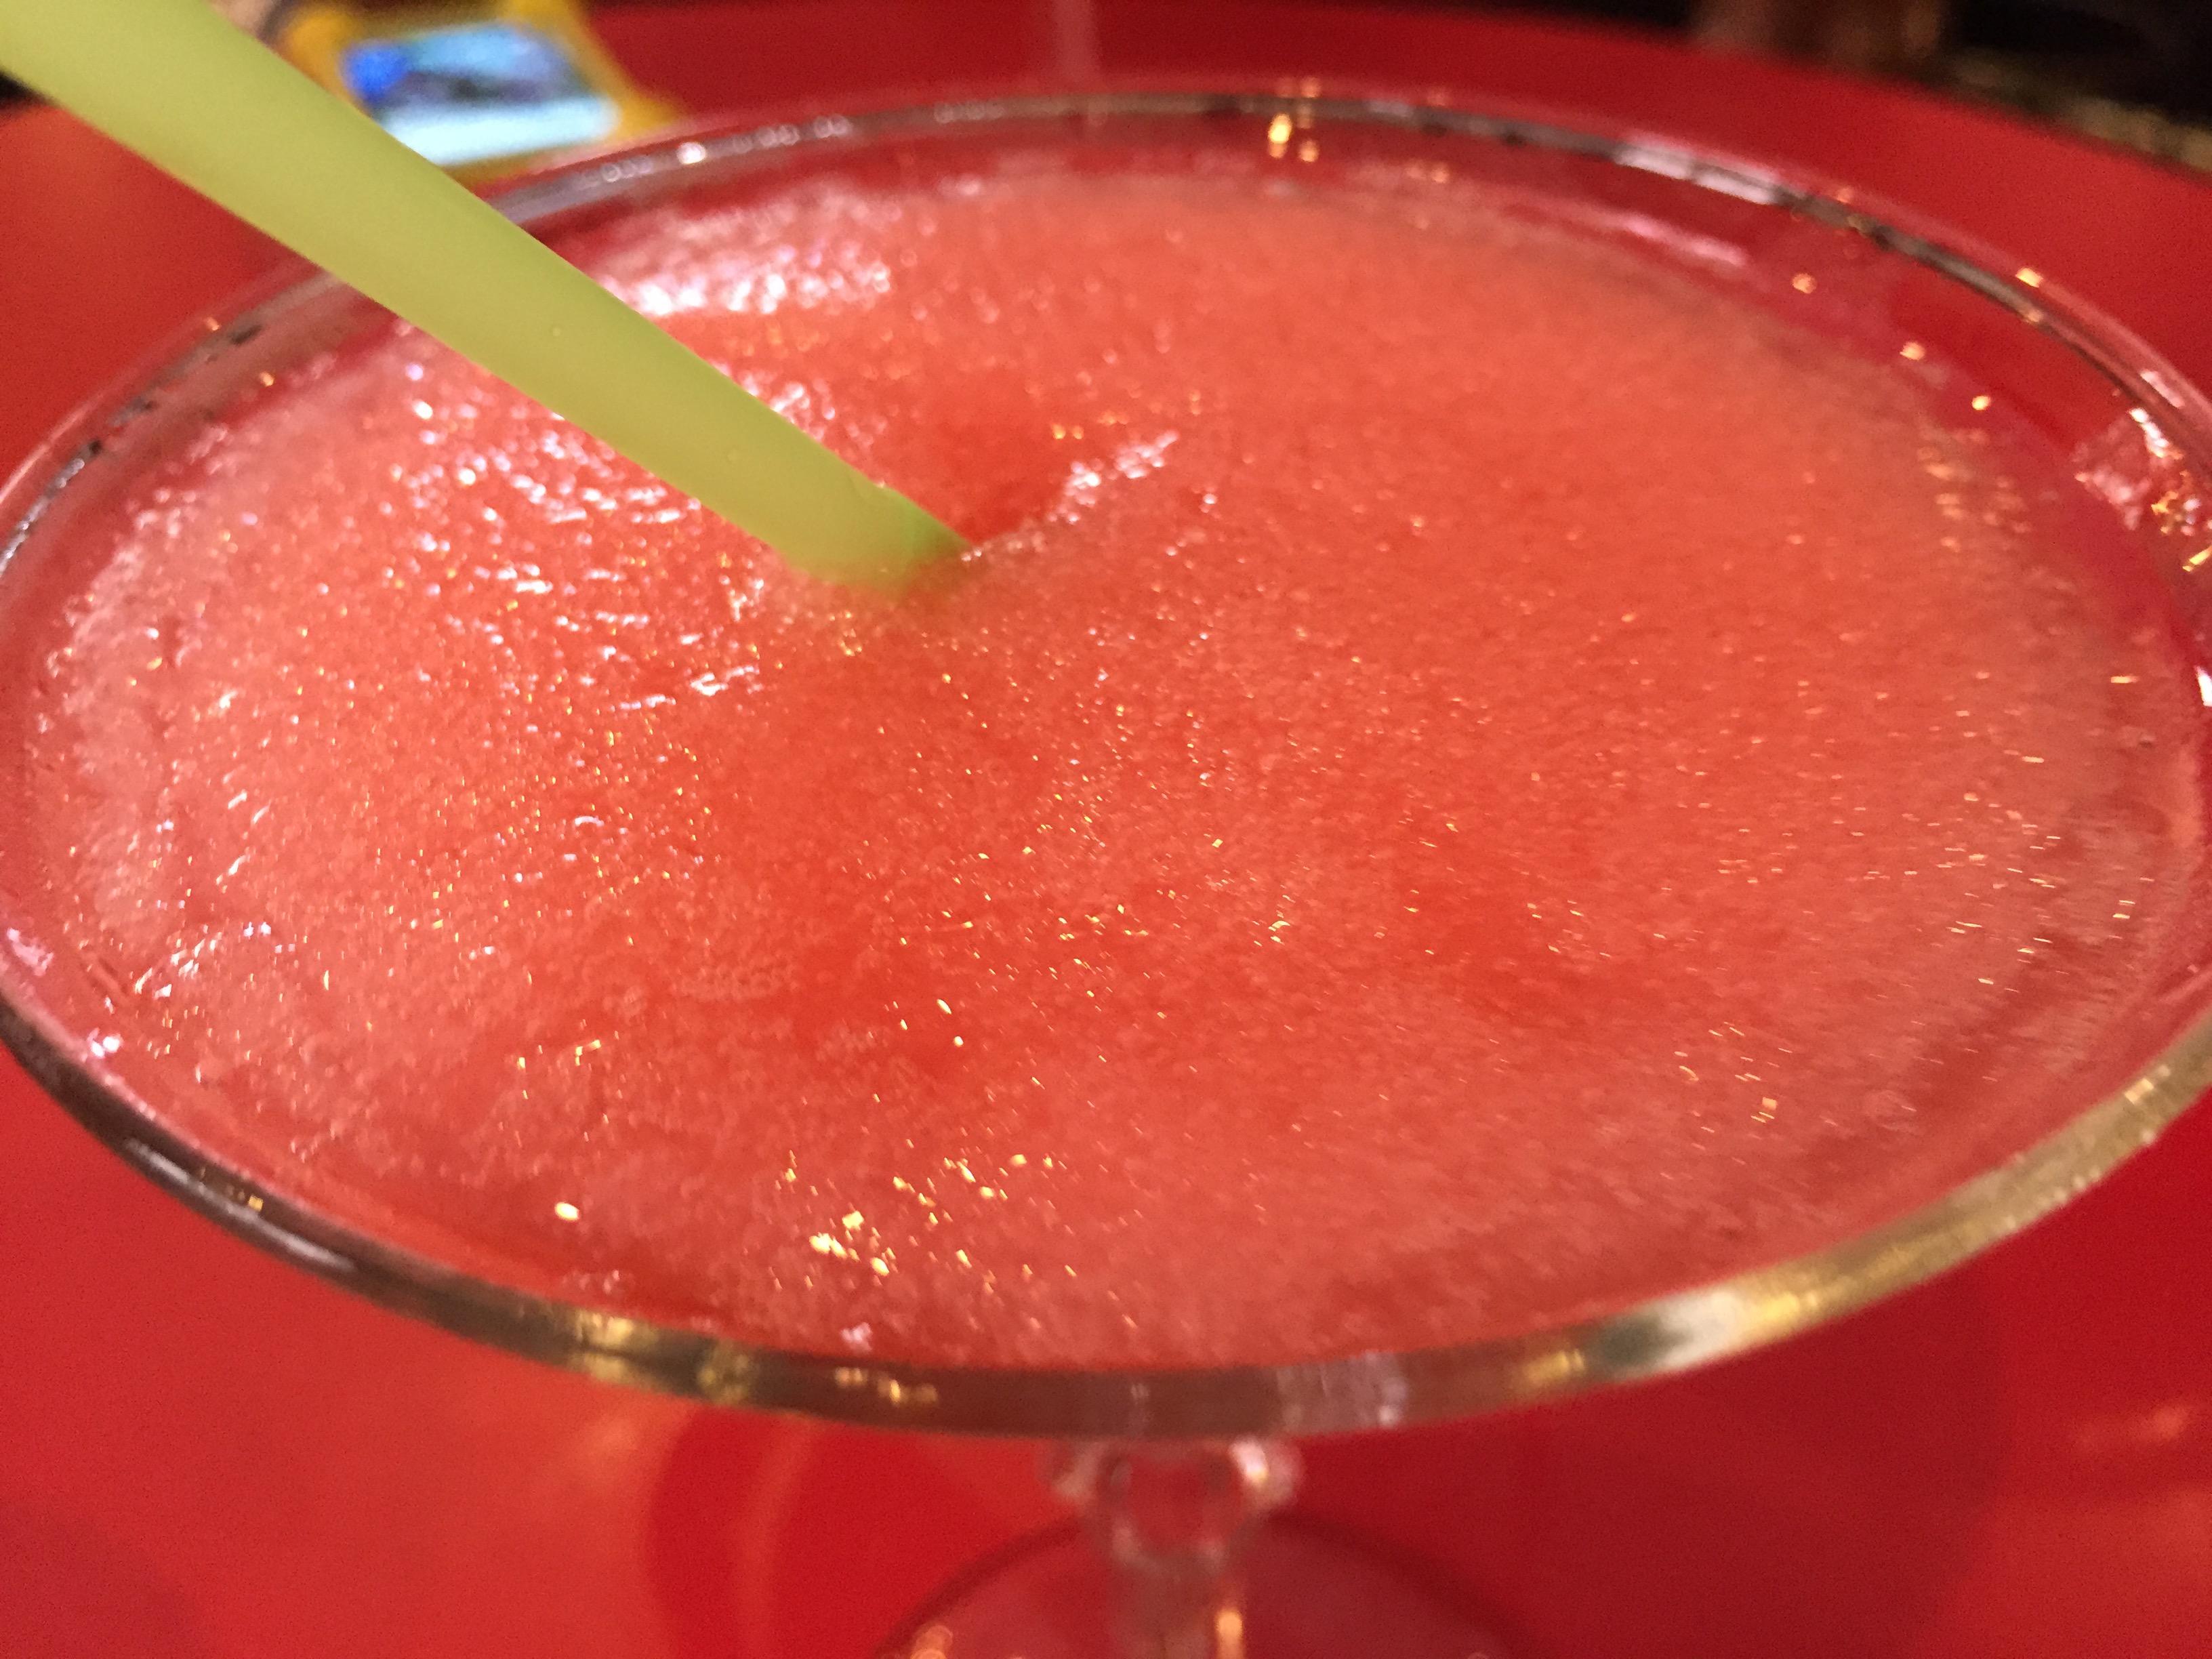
(1173, 1521)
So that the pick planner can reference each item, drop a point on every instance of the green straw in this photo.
(211, 105)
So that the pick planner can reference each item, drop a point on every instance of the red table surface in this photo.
(207, 1454)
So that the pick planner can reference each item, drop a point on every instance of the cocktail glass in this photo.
(1177, 1470)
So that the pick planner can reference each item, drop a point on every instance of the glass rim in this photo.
(1659, 1336)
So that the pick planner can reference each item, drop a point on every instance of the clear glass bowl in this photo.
(2138, 438)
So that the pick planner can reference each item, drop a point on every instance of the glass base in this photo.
(1306, 1594)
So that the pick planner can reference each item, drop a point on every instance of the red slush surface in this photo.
(1474, 779)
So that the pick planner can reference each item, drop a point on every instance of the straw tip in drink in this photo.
(909, 543)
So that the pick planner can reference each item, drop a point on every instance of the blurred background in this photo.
(2135, 72)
